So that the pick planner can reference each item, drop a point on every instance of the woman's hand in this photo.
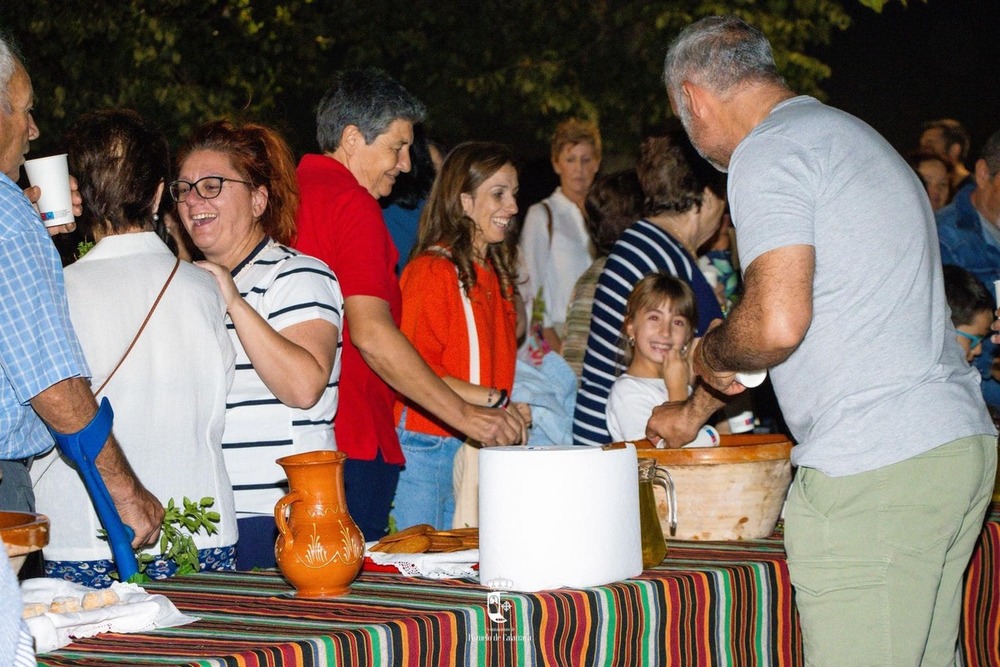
(230, 293)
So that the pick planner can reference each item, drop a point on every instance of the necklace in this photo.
(670, 225)
(671, 229)
(252, 258)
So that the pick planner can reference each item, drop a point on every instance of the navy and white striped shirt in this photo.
(644, 248)
(286, 288)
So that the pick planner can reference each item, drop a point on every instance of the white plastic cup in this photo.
(707, 437)
(996, 291)
(751, 379)
(741, 423)
(51, 174)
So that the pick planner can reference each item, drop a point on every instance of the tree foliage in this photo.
(497, 69)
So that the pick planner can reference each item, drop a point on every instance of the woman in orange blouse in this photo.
(462, 266)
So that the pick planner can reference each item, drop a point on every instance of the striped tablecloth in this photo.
(707, 603)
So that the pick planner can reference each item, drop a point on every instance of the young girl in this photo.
(657, 331)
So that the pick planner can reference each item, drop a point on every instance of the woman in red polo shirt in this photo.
(458, 311)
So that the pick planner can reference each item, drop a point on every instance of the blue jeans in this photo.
(425, 493)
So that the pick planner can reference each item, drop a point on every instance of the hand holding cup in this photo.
(54, 192)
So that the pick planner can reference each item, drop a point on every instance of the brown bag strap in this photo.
(548, 213)
(141, 327)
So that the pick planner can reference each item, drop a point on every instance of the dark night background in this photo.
(939, 59)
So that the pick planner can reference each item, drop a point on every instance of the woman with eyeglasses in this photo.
(236, 196)
(153, 333)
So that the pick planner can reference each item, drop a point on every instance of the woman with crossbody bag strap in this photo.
(555, 246)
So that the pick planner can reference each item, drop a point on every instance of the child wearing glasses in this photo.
(971, 309)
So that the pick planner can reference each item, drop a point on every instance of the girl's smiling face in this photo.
(656, 330)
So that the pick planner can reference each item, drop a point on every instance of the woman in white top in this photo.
(555, 244)
(236, 195)
(169, 393)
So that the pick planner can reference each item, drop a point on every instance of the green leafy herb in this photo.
(83, 247)
(179, 526)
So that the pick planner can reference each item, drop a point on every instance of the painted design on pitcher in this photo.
(318, 511)
(316, 555)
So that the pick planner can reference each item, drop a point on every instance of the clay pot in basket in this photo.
(731, 492)
(319, 549)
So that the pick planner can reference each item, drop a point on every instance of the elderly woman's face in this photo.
(577, 164)
(224, 225)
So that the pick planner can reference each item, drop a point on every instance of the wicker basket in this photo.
(731, 492)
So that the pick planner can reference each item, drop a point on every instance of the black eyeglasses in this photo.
(208, 187)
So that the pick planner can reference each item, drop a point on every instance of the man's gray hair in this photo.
(719, 53)
(8, 63)
(991, 153)
(369, 99)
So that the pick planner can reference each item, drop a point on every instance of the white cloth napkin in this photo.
(451, 565)
(135, 611)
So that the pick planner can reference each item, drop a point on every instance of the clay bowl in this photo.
(22, 533)
(731, 492)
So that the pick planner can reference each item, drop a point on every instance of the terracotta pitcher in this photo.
(319, 548)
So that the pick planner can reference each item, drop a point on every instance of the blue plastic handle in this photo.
(82, 449)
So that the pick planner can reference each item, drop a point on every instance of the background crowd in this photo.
(381, 297)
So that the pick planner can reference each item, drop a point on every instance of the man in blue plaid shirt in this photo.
(43, 373)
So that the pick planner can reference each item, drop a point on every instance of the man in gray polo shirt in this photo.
(844, 303)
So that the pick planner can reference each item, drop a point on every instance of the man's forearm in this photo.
(401, 366)
(772, 317)
(677, 423)
(394, 359)
(726, 350)
(69, 406)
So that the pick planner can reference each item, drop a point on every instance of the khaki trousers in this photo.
(877, 559)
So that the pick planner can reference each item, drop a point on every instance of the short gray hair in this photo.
(369, 99)
(719, 53)
(991, 153)
(9, 59)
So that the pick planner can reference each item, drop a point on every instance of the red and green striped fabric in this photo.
(707, 603)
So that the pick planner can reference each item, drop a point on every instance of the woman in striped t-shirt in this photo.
(236, 195)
